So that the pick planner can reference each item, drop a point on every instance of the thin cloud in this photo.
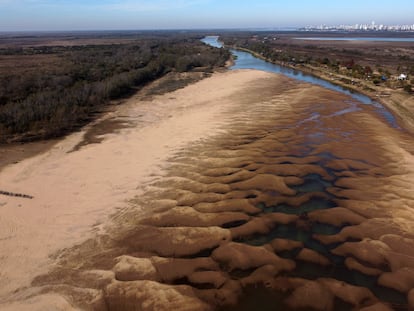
(150, 6)
(119, 5)
(26, 1)
(17, 3)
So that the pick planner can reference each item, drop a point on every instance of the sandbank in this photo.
(74, 192)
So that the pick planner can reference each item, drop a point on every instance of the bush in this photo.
(408, 88)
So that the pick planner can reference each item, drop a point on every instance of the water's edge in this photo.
(245, 60)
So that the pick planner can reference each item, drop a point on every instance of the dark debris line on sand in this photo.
(19, 195)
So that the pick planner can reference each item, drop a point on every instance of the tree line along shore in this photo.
(48, 89)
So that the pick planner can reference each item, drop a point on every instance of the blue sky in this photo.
(189, 14)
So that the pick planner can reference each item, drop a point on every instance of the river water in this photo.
(244, 60)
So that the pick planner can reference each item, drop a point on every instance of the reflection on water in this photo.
(312, 183)
(307, 207)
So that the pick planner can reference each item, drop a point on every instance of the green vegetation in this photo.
(49, 101)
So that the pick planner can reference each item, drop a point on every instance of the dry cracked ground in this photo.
(304, 202)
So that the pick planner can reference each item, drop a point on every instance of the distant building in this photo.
(361, 27)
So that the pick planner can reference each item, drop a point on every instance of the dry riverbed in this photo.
(243, 180)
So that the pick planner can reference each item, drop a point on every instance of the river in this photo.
(244, 60)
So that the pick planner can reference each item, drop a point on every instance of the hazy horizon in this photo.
(77, 15)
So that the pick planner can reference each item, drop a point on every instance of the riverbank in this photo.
(209, 192)
(81, 180)
(398, 102)
(12, 153)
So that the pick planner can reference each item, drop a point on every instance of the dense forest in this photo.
(68, 85)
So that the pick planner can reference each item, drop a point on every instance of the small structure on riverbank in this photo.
(402, 77)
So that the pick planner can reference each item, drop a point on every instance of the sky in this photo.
(57, 15)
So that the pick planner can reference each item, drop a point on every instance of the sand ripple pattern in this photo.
(275, 213)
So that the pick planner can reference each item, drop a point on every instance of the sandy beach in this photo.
(179, 207)
(75, 192)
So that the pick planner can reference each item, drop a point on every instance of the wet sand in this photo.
(241, 181)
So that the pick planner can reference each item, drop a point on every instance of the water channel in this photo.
(244, 60)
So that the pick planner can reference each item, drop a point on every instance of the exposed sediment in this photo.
(311, 206)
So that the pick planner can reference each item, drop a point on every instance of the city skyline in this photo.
(47, 15)
(361, 27)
